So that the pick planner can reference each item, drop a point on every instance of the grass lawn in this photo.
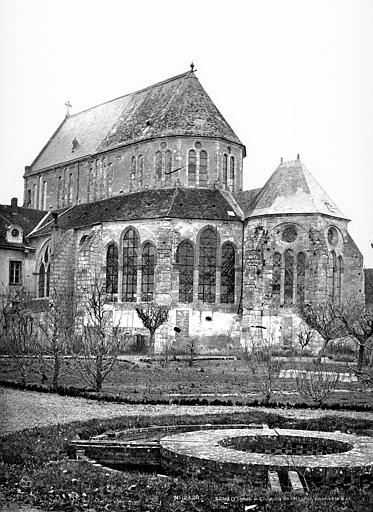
(36, 468)
(207, 379)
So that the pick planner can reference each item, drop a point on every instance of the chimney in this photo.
(55, 218)
(14, 205)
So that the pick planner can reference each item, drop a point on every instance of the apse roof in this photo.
(292, 189)
(184, 203)
(175, 107)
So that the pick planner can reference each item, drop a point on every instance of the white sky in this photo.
(290, 76)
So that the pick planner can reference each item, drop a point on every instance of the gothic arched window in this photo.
(44, 274)
(148, 270)
(141, 169)
(59, 192)
(231, 172)
(332, 275)
(133, 168)
(158, 165)
(289, 276)
(185, 259)
(130, 257)
(168, 166)
(338, 287)
(207, 266)
(112, 269)
(276, 277)
(203, 168)
(192, 167)
(225, 168)
(228, 261)
(301, 276)
(70, 190)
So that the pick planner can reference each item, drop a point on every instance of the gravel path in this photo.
(26, 409)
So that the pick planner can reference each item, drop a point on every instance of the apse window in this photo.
(15, 272)
(289, 234)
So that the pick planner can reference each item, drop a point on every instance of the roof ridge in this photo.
(157, 84)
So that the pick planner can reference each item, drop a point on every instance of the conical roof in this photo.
(177, 106)
(293, 189)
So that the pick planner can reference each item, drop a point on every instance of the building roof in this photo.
(26, 218)
(368, 285)
(292, 189)
(246, 199)
(183, 203)
(175, 107)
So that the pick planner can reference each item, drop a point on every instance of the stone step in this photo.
(295, 482)
(274, 481)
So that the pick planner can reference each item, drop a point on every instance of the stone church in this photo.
(146, 191)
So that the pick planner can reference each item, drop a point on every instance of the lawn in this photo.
(226, 380)
(36, 467)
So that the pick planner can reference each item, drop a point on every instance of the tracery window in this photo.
(225, 168)
(289, 276)
(228, 261)
(112, 269)
(192, 167)
(301, 277)
(207, 266)
(158, 165)
(130, 260)
(44, 274)
(148, 270)
(203, 168)
(44, 196)
(185, 259)
(276, 277)
(168, 166)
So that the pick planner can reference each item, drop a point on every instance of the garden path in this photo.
(27, 409)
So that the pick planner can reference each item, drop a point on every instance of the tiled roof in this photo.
(368, 285)
(185, 203)
(246, 199)
(26, 218)
(293, 189)
(177, 106)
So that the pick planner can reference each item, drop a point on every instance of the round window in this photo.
(197, 145)
(163, 145)
(289, 234)
(332, 236)
(15, 232)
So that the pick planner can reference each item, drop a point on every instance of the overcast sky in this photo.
(290, 76)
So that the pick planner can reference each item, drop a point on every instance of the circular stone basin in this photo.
(250, 454)
(285, 445)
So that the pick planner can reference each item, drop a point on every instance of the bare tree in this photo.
(305, 335)
(101, 339)
(18, 327)
(322, 318)
(152, 317)
(264, 366)
(357, 321)
(56, 324)
(317, 384)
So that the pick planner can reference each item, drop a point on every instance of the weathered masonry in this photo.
(146, 191)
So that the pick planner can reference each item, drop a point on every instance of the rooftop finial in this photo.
(192, 67)
(282, 160)
(68, 108)
(298, 157)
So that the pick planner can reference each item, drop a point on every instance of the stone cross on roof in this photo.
(68, 108)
